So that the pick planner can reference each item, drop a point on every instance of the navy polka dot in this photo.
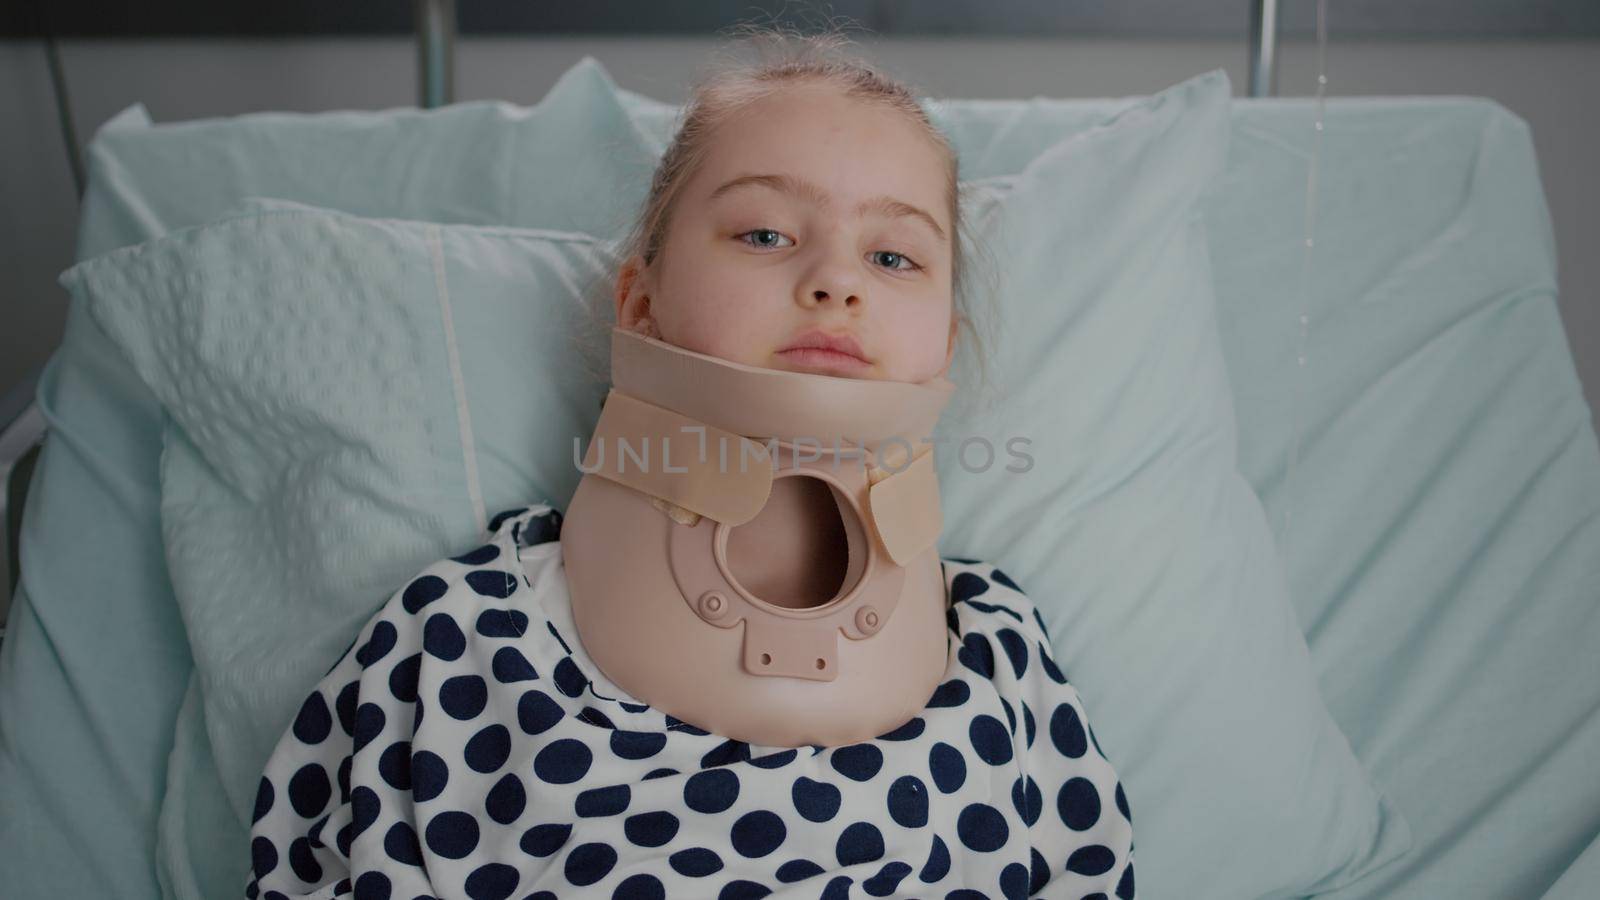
(416, 721)
(938, 864)
(1016, 649)
(1094, 859)
(888, 878)
(429, 775)
(304, 862)
(711, 791)
(1049, 666)
(907, 732)
(757, 833)
(365, 806)
(1078, 802)
(345, 706)
(1122, 804)
(493, 881)
(977, 654)
(401, 843)
(369, 724)
(695, 862)
(588, 863)
(950, 694)
(487, 750)
(1028, 724)
(642, 886)
(947, 766)
(990, 740)
(309, 790)
(372, 886)
(595, 717)
(344, 780)
(537, 713)
(741, 889)
(313, 723)
(506, 799)
(908, 802)
(264, 797)
(837, 888)
(442, 638)
(966, 586)
(798, 870)
(492, 583)
(981, 827)
(482, 556)
(452, 834)
(544, 840)
(726, 753)
(1039, 872)
(1027, 798)
(817, 801)
(1125, 883)
(378, 645)
(403, 678)
(563, 761)
(862, 842)
(610, 800)
(651, 829)
(858, 762)
(775, 760)
(569, 678)
(1066, 731)
(263, 856)
(502, 623)
(1002, 578)
(423, 591)
(637, 744)
(1014, 881)
(394, 766)
(463, 696)
(511, 666)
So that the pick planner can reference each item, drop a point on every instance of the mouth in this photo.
(826, 353)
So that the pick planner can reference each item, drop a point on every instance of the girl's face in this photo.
(811, 214)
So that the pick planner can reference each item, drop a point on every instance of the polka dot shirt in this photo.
(465, 746)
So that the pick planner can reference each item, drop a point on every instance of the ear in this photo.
(632, 298)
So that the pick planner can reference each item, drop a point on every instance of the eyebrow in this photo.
(812, 193)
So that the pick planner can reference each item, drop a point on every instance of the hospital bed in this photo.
(1444, 557)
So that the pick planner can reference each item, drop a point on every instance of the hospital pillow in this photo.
(348, 398)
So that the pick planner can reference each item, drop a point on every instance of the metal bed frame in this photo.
(22, 422)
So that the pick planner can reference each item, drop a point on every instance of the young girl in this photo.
(467, 746)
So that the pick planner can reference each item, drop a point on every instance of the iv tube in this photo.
(1305, 276)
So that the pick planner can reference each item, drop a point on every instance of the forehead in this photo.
(853, 149)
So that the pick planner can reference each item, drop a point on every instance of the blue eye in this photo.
(911, 266)
(761, 231)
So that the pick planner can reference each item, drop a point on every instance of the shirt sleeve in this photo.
(300, 829)
(1079, 824)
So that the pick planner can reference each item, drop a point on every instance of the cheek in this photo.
(712, 310)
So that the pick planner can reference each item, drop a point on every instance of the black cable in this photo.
(69, 135)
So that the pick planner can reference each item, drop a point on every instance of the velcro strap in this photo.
(905, 509)
(726, 477)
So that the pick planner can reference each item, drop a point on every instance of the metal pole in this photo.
(436, 38)
(1263, 48)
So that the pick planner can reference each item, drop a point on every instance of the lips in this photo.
(821, 345)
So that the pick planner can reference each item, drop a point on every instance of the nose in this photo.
(833, 280)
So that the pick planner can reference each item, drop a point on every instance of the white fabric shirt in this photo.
(465, 746)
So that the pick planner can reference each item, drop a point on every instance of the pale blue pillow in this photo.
(348, 398)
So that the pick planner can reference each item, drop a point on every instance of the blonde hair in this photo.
(786, 58)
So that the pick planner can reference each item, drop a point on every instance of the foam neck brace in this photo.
(710, 579)
(715, 425)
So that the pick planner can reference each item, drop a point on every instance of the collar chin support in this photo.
(689, 448)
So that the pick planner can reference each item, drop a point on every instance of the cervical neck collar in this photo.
(689, 448)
